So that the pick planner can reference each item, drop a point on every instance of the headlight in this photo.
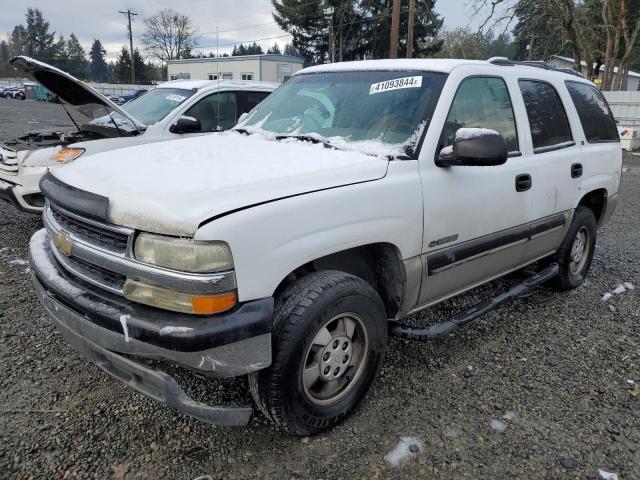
(182, 254)
(67, 155)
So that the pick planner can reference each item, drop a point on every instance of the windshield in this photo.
(373, 111)
(156, 104)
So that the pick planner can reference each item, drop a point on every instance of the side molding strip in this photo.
(477, 247)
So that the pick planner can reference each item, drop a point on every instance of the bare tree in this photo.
(603, 37)
(169, 35)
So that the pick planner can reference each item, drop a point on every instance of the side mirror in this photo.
(186, 125)
(476, 147)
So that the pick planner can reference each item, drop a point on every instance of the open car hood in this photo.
(72, 91)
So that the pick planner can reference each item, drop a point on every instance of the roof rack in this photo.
(505, 62)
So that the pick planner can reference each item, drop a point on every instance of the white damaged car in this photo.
(172, 110)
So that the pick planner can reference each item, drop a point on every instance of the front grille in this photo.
(112, 280)
(94, 234)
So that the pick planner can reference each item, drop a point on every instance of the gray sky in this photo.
(90, 19)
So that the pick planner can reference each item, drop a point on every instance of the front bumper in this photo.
(99, 324)
(21, 198)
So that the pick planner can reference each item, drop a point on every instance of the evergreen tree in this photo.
(76, 59)
(123, 66)
(39, 40)
(291, 50)
(362, 28)
(140, 68)
(57, 54)
(98, 68)
(275, 49)
(5, 67)
(18, 41)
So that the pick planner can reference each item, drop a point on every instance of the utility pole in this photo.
(128, 13)
(332, 38)
(395, 27)
(412, 11)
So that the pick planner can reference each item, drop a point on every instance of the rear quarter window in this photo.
(594, 112)
(547, 117)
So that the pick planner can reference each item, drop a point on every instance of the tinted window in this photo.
(595, 116)
(251, 99)
(547, 118)
(216, 112)
(483, 102)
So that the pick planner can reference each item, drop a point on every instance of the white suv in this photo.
(355, 195)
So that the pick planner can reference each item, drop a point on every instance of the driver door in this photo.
(475, 220)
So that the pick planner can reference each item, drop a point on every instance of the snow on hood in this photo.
(171, 187)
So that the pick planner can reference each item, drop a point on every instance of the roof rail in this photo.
(504, 61)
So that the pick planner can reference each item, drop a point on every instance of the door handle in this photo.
(523, 182)
(576, 170)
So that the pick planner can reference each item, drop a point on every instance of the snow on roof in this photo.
(200, 84)
(602, 67)
(428, 64)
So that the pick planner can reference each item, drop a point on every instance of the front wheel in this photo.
(576, 251)
(328, 344)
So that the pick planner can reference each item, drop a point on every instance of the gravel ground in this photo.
(559, 372)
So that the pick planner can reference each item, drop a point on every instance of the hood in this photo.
(72, 91)
(171, 187)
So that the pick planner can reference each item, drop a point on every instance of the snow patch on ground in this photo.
(607, 475)
(19, 261)
(405, 451)
(620, 289)
(606, 296)
(498, 426)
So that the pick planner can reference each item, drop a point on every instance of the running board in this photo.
(459, 320)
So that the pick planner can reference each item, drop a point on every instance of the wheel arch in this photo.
(379, 264)
(596, 201)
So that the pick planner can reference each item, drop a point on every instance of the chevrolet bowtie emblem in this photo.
(63, 243)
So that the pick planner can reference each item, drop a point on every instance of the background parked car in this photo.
(6, 91)
(18, 94)
(170, 111)
(122, 99)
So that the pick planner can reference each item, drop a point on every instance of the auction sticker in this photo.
(396, 84)
(175, 98)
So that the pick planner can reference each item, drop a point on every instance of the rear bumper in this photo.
(101, 326)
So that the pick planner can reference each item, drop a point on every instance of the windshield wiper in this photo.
(243, 131)
(309, 138)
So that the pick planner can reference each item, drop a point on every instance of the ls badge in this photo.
(63, 243)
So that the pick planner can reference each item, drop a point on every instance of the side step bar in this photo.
(454, 323)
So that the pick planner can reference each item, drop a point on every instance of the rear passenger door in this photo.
(554, 151)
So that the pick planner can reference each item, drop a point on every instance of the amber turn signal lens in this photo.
(214, 303)
(67, 155)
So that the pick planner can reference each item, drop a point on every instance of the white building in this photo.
(633, 79)
(268, 68)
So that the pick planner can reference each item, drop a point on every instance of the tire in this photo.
(320, 304)
(574, 261)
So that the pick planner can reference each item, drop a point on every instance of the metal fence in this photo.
(103, 88)
(625, 107)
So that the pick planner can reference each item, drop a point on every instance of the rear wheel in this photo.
(576, 251)
(328, 344)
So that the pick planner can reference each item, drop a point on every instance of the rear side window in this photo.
(595, 116)
(547, 117)
(483, 102)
